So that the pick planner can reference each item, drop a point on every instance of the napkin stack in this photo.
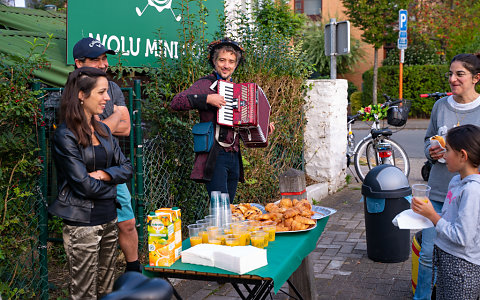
(240, 259)
(201, 254)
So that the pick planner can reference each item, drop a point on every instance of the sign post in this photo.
(402, 45)
(337, 42)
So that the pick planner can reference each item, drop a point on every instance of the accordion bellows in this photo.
(248, 109)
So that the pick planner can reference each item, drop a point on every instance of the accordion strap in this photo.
(217, 134)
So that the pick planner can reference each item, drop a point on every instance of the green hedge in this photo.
(416, 80)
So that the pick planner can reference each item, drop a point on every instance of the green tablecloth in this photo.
(284, 255)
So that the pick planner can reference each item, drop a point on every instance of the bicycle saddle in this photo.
(135, 286)
(385, 132)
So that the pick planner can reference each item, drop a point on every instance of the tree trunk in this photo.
(375, 75)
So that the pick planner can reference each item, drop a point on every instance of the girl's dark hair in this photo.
(71, 110)
(471, 62)
(466, 137)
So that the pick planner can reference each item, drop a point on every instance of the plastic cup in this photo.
(258, 239)
(214, 201)
(222, 238)
(253, 225)
(213, 232)
(204, 236)
(226, 212)
(239, 227)
(194, 229)
(270, 230)
(232, 241)
(211, 220)
(227, 228)
(195, 240)
(203, 222)
(242, 237)
(421, 192)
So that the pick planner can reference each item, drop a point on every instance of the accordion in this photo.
(247, 109)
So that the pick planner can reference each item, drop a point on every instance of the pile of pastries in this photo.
(244, 211)
(288, 215)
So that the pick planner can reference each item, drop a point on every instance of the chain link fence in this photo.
(167, 183)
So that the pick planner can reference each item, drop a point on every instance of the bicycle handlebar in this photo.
(435, 95)
(390, 101)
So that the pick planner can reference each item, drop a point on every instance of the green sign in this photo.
(130, 27)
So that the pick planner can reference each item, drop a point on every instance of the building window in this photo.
(299, 6)
(312, 8)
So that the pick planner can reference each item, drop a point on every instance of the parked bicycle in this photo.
(427, 166)
(377, 147)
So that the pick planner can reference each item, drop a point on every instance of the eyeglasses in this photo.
(458, 74)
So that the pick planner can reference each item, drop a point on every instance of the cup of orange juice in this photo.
(193, 231)
(269, 228)
(421, 192)
(213, 233)
(231, 240)
(258, 239)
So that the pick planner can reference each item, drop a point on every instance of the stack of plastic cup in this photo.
(226, 211)
(216, 208)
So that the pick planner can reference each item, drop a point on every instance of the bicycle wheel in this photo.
(367, 158)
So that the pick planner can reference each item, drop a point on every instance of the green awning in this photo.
(23, 25)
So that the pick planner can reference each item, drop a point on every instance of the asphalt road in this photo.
(410, 139)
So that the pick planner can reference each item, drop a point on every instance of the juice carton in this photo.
(161, 239)
(162, 224)
(177, 225)
(160, 254)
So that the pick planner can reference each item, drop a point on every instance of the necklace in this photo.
(456, 115)
(458, 121)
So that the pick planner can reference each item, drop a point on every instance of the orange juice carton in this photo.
(162, 224)
(160, 253)
(161, 239)
(177, 225)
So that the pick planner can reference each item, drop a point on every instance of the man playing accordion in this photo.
(221, 168)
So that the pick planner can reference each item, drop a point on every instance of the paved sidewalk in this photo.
(341, 267)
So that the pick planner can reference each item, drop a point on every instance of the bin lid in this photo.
(386, 181)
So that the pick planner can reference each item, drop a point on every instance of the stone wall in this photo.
(326, 136)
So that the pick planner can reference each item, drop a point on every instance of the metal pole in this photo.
(333, 48)
(42, 208)
(402, 59)
(139, 159)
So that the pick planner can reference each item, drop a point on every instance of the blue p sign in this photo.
(402, 20)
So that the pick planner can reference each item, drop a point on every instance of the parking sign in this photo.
(402, 26)
(402, 19)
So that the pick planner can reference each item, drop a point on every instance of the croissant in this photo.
(285, 203)
(304, 203)
(288, 222)
(297, 226)
(304, 220)
(290, 213)
(265, 217)
(307, 213)
(272, 207)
